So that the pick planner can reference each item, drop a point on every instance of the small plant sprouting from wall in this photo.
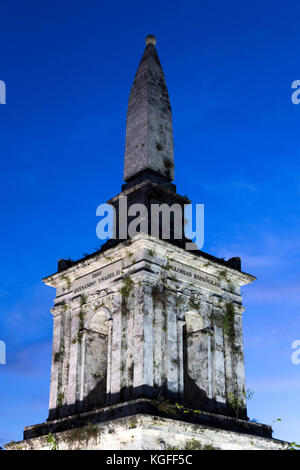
(127, 287)
(64, 306)
(58, 356)
(60, 399)
(84, 434)
(193, 444)
(83, 301)
(223, 275)
(165, 407)
(228, 323)
(132, 425)
(68, 281)
(126, 290)
(293, 446)
(52, 442)
(237, 399)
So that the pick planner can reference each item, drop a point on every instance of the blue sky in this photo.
(68, 68)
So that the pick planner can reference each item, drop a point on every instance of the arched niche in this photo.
(194, 334)
(95, 358)
(97, 321)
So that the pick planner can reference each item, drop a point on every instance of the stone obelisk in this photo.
(147, 335)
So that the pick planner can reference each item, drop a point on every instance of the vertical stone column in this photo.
(143, 345)
(146, 317)
(219, 385)
(180, 325)
(73, 394)
(209, 367)
(65, 346)
(57, 332)
(230, 366)
(109, 361)
(116, 357)
(173, 362)
(159, 343)
(81, 368)
(239, 355)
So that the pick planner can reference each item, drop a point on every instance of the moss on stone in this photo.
(84, 434)
(228, 323)
(127, 287)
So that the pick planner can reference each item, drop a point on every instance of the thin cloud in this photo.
(268, 250)
(245, 186)
(279, 384)
(29, 360)
(261, 261)
(277, 292)
(230, 186)
(264, 340)
(33, 317)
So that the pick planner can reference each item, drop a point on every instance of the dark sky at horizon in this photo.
(68, 67)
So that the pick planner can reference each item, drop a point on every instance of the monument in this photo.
(147, 335)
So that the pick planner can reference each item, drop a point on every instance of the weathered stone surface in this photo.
(149, 133)
(141, 329)
(154, 407)
(146, 319)
(142, 432)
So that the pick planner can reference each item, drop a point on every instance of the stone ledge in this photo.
(144, 432)
(153, 408)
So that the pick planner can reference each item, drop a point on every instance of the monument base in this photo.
(147, 425)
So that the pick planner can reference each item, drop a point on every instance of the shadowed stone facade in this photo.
(146, 320)
(142, 355)
(147, 336)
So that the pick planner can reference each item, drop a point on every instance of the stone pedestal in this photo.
(147, 353)
(147, 319)
(145, 432)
